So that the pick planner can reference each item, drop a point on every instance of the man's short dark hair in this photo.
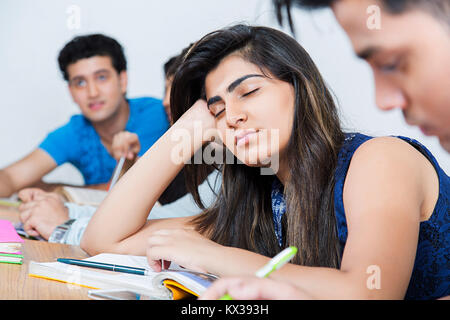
(438, 8)
(171, 65)
(88, 46)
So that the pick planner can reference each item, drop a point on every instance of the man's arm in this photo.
(25, 172)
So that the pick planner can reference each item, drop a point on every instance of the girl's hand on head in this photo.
(198, 117)
(125, 144)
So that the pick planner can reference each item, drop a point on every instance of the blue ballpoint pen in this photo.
(105, 266)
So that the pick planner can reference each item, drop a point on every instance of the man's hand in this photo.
(41, 212)
(125, 144)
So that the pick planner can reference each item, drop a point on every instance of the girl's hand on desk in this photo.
(185, 247)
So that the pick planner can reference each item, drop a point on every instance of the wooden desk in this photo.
(14, 280)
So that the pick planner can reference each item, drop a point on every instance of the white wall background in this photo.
(35, 100)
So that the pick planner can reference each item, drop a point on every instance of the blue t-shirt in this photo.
(430, 277)
(78, 143)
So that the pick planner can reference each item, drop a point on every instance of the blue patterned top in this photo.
(430, 277)
(78, 143)
(278, 209)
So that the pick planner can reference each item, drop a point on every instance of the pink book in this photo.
(10, 241)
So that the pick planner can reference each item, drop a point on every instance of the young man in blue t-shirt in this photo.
(44, 214)
(109, 126)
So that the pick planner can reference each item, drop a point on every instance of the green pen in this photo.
(274, 264)
(10, 203)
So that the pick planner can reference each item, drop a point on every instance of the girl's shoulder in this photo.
(384, 168)
(359, 150)
(386, 160)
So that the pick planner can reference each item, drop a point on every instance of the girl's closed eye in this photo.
(249, 92)
(219, 113)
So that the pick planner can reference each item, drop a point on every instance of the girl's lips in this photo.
(243, 137)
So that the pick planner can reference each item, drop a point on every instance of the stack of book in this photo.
(10, 243)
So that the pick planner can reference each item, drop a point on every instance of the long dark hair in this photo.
(242, 214)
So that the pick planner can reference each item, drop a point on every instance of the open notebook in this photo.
(82, 196)
(175, 283)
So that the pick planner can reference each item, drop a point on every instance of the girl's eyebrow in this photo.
(213, 100)
(232, 86)
(237, 82)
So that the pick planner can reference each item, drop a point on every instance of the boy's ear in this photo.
(70, 90)
(123, 79)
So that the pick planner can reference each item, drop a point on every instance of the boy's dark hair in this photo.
(87, 46)
(438, 8)
(171, 65)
